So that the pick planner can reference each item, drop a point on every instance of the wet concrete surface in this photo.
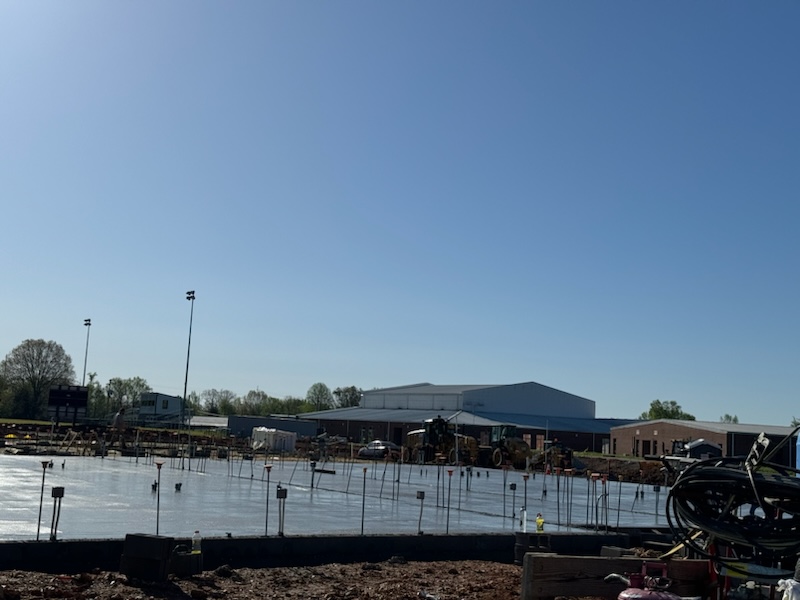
(106, 498)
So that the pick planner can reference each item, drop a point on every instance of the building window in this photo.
(165, 404)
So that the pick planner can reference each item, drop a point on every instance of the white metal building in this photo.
(538, 411)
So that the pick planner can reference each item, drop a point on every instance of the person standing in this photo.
(539, 523)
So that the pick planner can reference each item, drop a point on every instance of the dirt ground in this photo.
(632, 469)
(394, 579)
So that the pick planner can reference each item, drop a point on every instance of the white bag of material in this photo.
(790, 589)
(273, 439)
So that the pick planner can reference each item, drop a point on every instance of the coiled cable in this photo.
(748, 504)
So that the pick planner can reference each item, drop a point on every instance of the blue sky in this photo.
(599, 197)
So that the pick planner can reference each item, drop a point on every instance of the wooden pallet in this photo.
(546, 576)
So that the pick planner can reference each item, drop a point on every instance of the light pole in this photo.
(159, 464)
(190, 297)
(45, 463)
(88, 324)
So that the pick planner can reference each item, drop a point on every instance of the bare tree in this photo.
(218, 401)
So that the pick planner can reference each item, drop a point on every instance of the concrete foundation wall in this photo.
(84, 555)
(68, 557)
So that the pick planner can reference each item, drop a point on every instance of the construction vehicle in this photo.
(438, 441)
(507, 448)
(322, 446)
(552, 455)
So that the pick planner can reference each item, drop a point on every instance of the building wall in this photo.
(412, 401)
(153, 403)
(242, 426)
(655, 437)
(154, 407)
(662, 433)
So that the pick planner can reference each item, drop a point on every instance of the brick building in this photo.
(735, 439)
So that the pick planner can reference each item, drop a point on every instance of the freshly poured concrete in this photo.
(112, 496)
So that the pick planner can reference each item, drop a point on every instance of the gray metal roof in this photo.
(428, 388)
(481, 419)
(545, 423)
(399, 415)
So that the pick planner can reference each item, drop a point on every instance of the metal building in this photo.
(539, 412)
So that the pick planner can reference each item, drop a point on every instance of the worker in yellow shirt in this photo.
(539, 523)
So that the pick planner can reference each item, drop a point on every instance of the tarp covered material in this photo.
(273, 439)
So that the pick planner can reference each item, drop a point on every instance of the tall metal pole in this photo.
(88, 324)
(45, 463)
(190, 297)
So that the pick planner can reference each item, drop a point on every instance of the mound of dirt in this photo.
(395, 579)
(628, 469)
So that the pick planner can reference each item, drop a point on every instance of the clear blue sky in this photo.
(601, 197)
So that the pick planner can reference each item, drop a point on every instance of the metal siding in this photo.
(419, 402)
(446, 402)
(416, 401)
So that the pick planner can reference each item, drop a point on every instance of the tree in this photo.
(227, 406)
(256, 402)
(213, 400)
(98, 399)
(726, 418)
(319, 396)
(193, 405)
(666, 410)
(126, 392)
(296, 406)
(6, 398)
(31, 369)
(349, 396)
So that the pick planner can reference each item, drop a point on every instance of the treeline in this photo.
(29, 371)
(256, 402)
